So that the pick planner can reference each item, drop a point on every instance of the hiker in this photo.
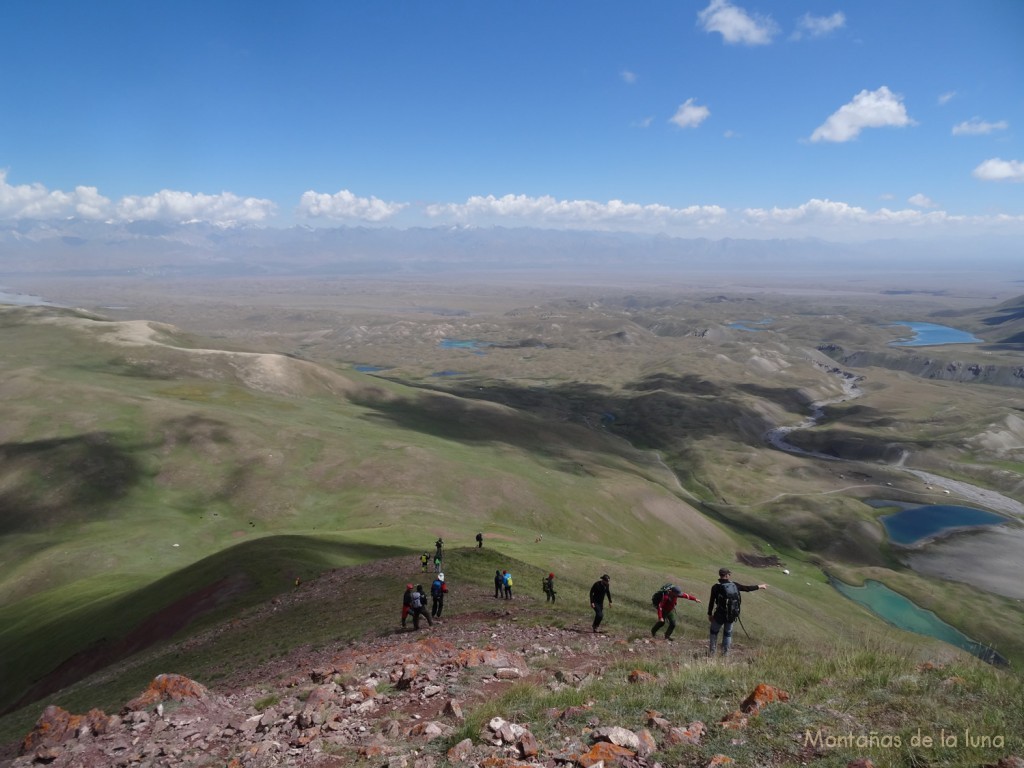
(437, 563)
(479, 540)
(507, 584)
(406, 603)
(724, 608)
(424, 559)
(499, 583)
(418, 607)
(438, 548)
(598, 593)
(667, 610)
(549, 588)
(437, 592)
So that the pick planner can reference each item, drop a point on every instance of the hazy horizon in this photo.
(718, 119)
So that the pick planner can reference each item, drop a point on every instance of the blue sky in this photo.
(742, 118)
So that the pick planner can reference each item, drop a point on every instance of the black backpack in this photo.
(727, 604)
(657, 596)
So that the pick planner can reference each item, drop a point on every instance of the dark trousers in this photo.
(598, 615)
(669, 619)
(436, 605)
(416, 613)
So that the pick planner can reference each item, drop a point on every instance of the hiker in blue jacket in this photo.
(437, 592)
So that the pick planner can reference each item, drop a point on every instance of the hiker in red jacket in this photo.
(667, 611)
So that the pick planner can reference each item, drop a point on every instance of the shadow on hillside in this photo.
(46, 482)
(659, 412)
(215, 587)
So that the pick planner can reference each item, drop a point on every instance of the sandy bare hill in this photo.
(147, 343)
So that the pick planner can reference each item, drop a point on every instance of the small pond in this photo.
(915, 523)
(901, 612)
(474, 346)
(931, 334)
(744, 325)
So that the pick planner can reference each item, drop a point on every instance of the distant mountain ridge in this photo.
(84, 247)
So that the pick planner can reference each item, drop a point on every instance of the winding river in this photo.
(973, 494)
(882, 601)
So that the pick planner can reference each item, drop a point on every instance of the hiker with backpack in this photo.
(406, 603)
(424, 559)
(418, 607)
(507, 584)
(437, 592)
(479, 540)
(499, 583)
(598, 592)
(724, 608)
(549, 588)
(664, 600)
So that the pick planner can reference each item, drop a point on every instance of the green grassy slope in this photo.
(136, 475)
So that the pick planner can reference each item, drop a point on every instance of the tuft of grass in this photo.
(266, 702)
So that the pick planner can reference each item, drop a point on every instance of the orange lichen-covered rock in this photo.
(639, 676)
(761, 695)
(56, 725)
(168, 687)
(606, 752)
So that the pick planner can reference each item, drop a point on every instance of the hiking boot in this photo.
(670, 639)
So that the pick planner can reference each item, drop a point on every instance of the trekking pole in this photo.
(743, 628)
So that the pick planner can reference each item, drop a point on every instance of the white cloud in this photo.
(945, 98)
(818, 26)
(997, 169)
(978, 127)
(922, 201)
(628, 77)
(690, 115)
(173, 206)
(736, 25)
(546, 210)
(869, 109)
(34, 201)
(644, 122)
(836, 220)
(345, 205)
(834, 213)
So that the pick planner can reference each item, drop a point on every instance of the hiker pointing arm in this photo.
(724, 608)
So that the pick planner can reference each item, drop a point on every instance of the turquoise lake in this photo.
(901, 612)
(916, 523)
(930, 334)
(474, 346)
(744, 325)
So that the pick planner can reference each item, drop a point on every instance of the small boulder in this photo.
(168, 687)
